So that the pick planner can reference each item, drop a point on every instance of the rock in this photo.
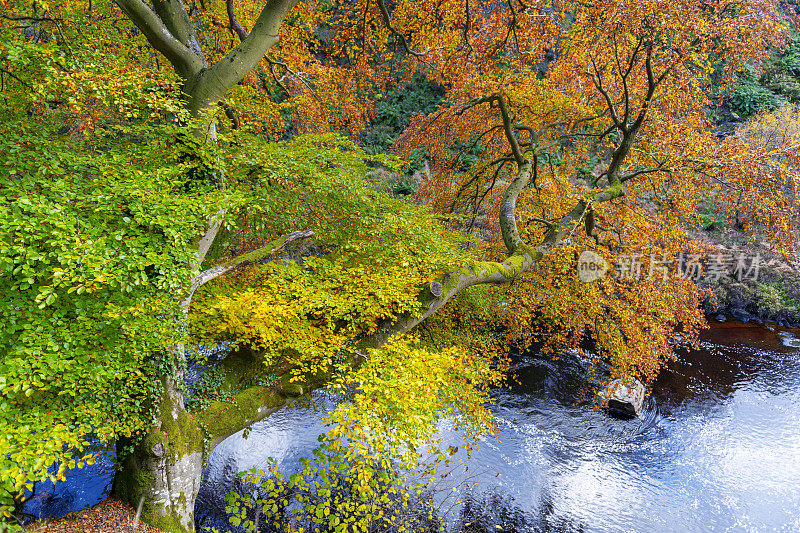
(625, 397)
(789, 340)
(721, 318)
(741, 315)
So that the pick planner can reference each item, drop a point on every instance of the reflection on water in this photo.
(718, 447)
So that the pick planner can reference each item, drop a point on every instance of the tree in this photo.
(588, 123)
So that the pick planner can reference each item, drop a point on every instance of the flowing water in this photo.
(717, 447)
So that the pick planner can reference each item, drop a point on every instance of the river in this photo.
(717, 448)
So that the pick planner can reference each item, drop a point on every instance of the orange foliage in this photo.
(580, 80)
(605, 99)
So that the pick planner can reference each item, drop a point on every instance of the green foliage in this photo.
(372, 255)
(95, 234)
(215, 386)
(393, 112)
(403, 185)
(749, 96)
(772, 86)
(712, 221)
(207, 389)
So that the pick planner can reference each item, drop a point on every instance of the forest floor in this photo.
(108, 516)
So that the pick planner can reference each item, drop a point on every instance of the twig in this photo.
(138, 513)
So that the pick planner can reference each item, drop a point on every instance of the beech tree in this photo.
(589, 125)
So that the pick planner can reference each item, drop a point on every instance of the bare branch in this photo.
(598, 83)
(388, 23)
(23, 82)
(508, 126)
(204, 245)
(208, 86)
(235, 26)
(174, 16)
(247, 259)
(185, 61)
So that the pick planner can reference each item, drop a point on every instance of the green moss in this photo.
(178, 437)
(291, 388)
(768, 302)
(171, 523)
(220, 418)
(131, 483)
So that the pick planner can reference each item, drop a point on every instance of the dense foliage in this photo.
(181, 172)
(95, 237)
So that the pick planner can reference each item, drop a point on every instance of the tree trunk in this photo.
(165, 467)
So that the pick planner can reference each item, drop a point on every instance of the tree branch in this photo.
(174, 16)
(204, 245)
(208, 86)
(235, 26)
(247, 259)
(508, 126)
(388, 23)
(183, 59)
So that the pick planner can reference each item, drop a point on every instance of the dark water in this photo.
(717, 449)
(82, 488)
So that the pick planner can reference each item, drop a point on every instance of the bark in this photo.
(183, 59)
(249, 258)
(166, 466)
(169, 30)
(164, 469)
(207, 87)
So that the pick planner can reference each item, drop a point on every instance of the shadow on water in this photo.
(83, 488)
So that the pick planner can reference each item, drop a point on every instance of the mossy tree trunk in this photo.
(165, 467)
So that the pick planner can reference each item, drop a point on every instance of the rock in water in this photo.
(625, 397)
(789, 340)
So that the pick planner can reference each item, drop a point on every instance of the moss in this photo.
(178, 437)
(291, 388)
(767, 302)
(220, 418)
(131, 483)
(238, 368)
(171, 523)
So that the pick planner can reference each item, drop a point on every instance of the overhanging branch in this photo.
(247, 259)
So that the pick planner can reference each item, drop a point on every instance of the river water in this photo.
(717, 448)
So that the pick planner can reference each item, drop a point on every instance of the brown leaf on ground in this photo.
(109, 516)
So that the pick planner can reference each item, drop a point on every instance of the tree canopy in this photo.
(180, 172)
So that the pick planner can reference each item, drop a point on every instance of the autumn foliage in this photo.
(565, 126)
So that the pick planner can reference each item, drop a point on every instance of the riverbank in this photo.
(769, 289)
(108, 516)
